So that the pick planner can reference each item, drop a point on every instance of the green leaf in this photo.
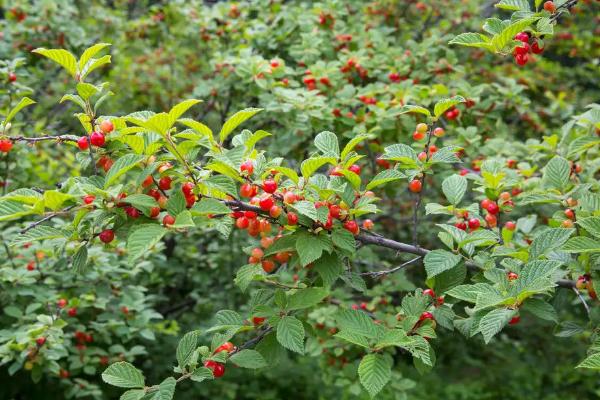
(290, 334)
(89, 53)
(327, 142)
(143, 238)
(248, 359)
(541, 309)
(93, 64)
(246, 274)
(186, 347)
(305, 298)
(471, 39)
(123, 374)
(80, 259)
(120, 167)
(166, 390)
(443, 105)
(549, 240)
(352, 144)
(329, 267)
(581, 244)
(556, 173)
(344, 240)
(311, 165)
(209, 206)
(513, 5)
(438, 261)
(201, 374)
(179, 109)
(356, 322)
(401, 153)
(499, 42)
(374, 372)
(24, 102)
(133, 394)
(235, 120)
(494, 321)
(86, 90)
(591, 225)
(454, 188)
(60, 56)
(40, 232)
(142, 202)
(53, 199)
(592, 362)
(290, 173)
(385, 176)
(310, 247)
(306, 208)
(198, 127)
(410, 109)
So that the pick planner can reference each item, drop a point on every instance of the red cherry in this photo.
(335, 211)
(107, 126)
(242, 223)
(89, 198)
(40, 341)
(168, 220)
(132, 212)
(165, 183)
(218, 369)
(355, 168)
(569, 213)
(439, 132)
(5, 146)
(474, 223)
(511, 226)
(521, 59)
(61, 303)
(512, 276)
(426, 315)
(154, 211)
(440, 300)
(64, 374)
(429, 292)
(148, 181)
(514, 320)
(433, 148)
(368, 224)
(247, 190)
(187, 188)
(415, 186)
(30, 266)
(522, 36)
(83, 143)
(492, 208)
(536, 49)
(266, 203)
(325, 81)
(461, 225)
(282, 257)
(269, 186)
(550, 7)
(292, 218)
(107, 235)
(250, 214)
(275, 211)
(154, 193)
(268, 266)
(383, 163)
(258, 320)
(352, 227)
(12, 77)
(491, 220)
(394, 77)
(523, 49)
(190, 200)
(418, 136)
(226, 347)
(72, 312)
(247, 167)
(97, 139)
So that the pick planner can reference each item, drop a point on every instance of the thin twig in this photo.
(390, 271)
(46, 218)
(585, 304)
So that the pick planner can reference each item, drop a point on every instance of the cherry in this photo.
(440, 300)
(290, 198)
(335, 211)
(258, 320)
(5, 146)
(266, 203)
(97, 139)
(72, 312)
(352, 227)
(292, 218)
(337, 112)
(61, 303)
(433, 148)
(523, 49)
(510, 225)
(247, 167)
(394, 77)
(493, 208)
(64, 374)
(12, 77)
(550, 7)
(429, 292)
(521, 59)
(567, 223)
(30, 266)
(132, 212)
(325, 81)
(266, 242)
(569, 213)
(269, 186)
(83, 143)
(268, 266)
(247, 190)
(336, 171)
(226, 347)
(250, 214)
(187, 188)
(40, 341)
(282, 257)
(522, 36)
(514, 320)
(274, 63)
(125, 310)
(439, 132)
(148, 181)
(354, 168)
(168, 220)
(107, 236)
(421, 127)
(154, 211)
(218, 369)
(89, 198)
(275, 211)
(107, 126)
(257, 253)
(368, 224)
(415, 186)
(474, 224)
(491, 220)
(536, 49)
(242, 222)
(512, 276)
(383, 163)
(461, 225)
(426, 315)
(165, 183)
(418, 136)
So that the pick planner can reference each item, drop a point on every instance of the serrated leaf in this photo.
(374, 372)
(385, 176)
(494, 321)
(201, 374)
(143, 238)
(133, 394)
(123, 374)
(166, 390)
(499, 42)
(310, 247)
(248, 359)
(471, 39)
(61, 57)
(327, 143)
(235, 120)
(209, 206)
(438, 261)
(352, 144)
(591, 225)
(246, 274)
(179, 109)
(410, 109)
(305, 298)
(454, 188)
(343, 239)
(24, 102)
(549, 240)
(290, 334)
(186, 347)
(556, 173)
(353, 338)
(89, 53)
(40, 232)
(53, 199)
(80, 259)
(356, 322)
(581, 244)
(311, 165)
(513, 5)
(592, 362)
(401, 153)
(443, 105)
(120, 167)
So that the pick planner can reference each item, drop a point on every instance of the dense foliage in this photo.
(344, 199)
